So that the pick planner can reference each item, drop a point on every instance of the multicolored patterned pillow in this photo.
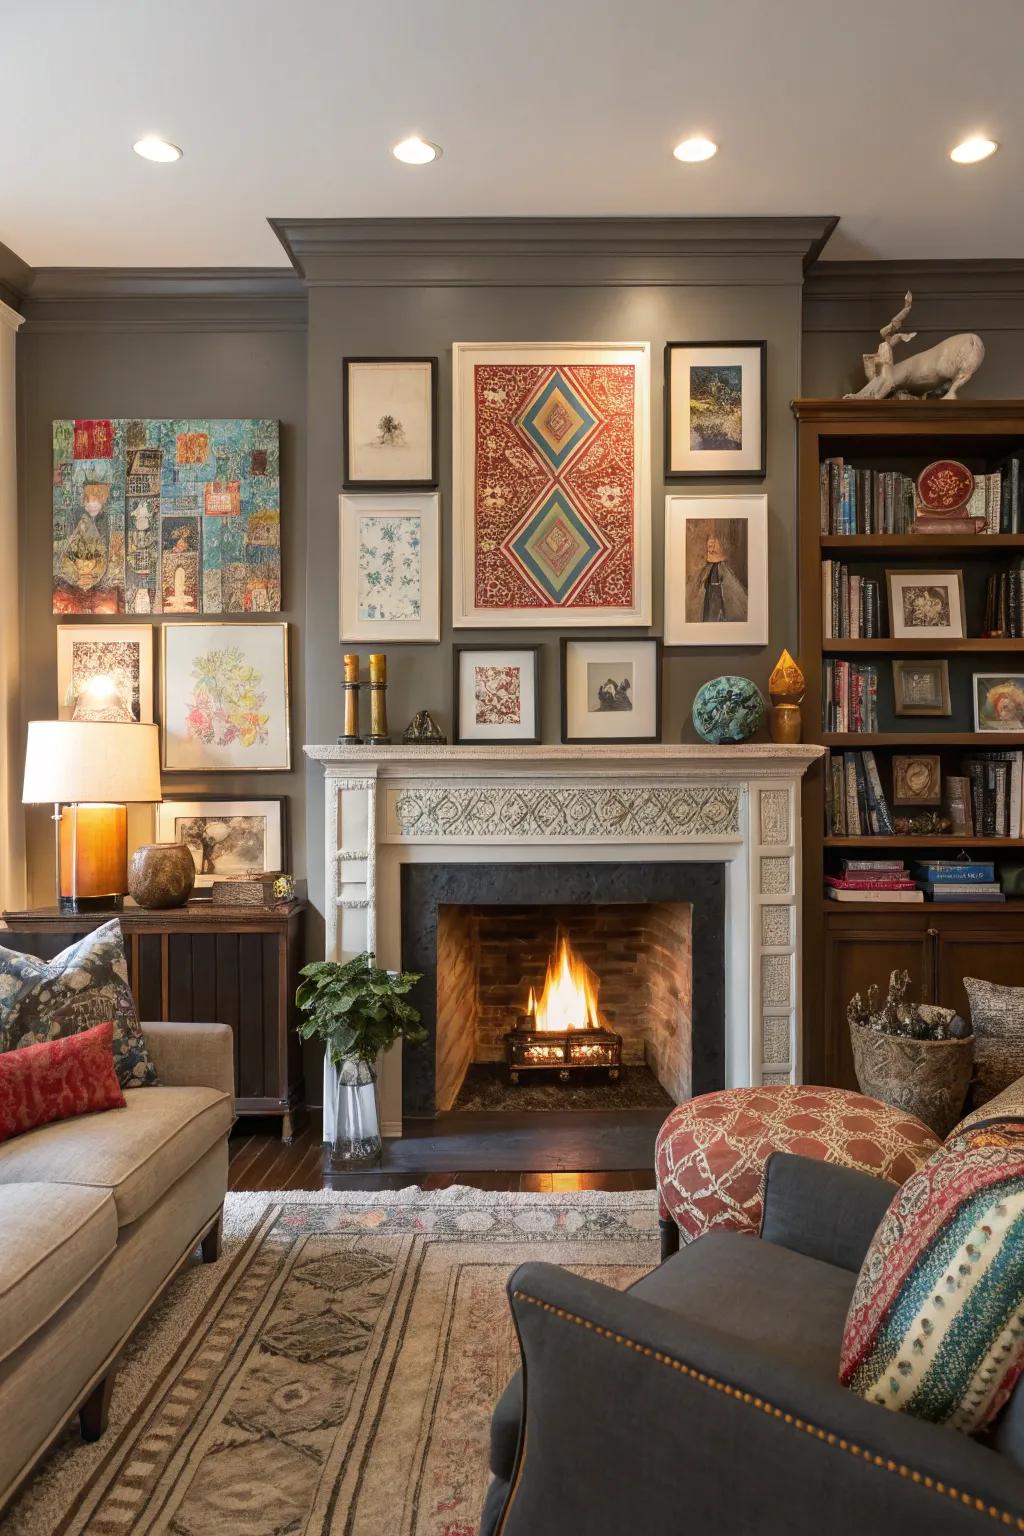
(936, 1323)
(86, 984)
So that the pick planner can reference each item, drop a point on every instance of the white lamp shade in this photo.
(89, 761)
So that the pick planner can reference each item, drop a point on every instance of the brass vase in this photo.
(786, 688)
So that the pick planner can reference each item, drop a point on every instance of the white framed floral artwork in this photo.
(390, 567)
(224, 689)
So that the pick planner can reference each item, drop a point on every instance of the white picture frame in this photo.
(80, 651)
(224, 698)
(171, 813)
(925, 605)
(738, 596)
(548, 538)
(611, 690)
(414, 522)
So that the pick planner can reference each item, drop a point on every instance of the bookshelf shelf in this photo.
(924, 544)
(912, 739)
(886, 647)
(859, 907)
(907, 840)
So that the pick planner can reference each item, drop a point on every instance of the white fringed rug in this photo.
(334, 1374)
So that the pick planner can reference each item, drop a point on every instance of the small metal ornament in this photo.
(424, 731)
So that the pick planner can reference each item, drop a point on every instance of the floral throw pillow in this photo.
(936, 1323)
(85, 985)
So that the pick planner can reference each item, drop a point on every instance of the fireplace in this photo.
(488, 938)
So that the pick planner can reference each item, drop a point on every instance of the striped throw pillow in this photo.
(936, 1323)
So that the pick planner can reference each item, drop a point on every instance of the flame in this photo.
(569, 998)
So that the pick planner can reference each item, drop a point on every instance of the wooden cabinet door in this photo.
(995, 954)
(854, 959)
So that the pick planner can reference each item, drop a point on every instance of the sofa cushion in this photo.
(997, 1018)
(936, 1324)
(58, 1079)
(86, 984)
(137, 1153)
(54, 1237)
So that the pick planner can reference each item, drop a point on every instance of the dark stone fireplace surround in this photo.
(426, 887)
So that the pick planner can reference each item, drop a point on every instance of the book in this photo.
(877, 866)
(986, 888)
(908, 897)
(967, 893)
(869, 885)
(878, 809)
(949, 526)
(964, 871)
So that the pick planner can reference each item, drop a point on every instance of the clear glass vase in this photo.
(356, 1141)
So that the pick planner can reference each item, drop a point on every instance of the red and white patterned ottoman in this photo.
(711, 1152)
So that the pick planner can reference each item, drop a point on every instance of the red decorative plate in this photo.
(944, 487)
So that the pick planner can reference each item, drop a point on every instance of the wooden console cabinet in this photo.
(233, 965)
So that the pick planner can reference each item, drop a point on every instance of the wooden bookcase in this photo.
(847, 946)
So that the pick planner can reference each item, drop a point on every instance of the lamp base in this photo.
(73, 905)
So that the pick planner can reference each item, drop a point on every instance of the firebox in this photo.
(562, 1029)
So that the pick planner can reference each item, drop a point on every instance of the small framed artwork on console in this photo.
(715, 411)
(389, 415)
(716, 570)
(611, 691)
(496, 694)
(390, 567)
(226, 837)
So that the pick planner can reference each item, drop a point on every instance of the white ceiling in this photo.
(288, 108)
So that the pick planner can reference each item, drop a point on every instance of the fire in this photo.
(569, 998)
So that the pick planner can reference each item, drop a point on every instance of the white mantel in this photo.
(739, 805)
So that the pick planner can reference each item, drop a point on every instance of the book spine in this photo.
(853, 822)
(881, 808)
(855, 607)
(975, 772)
(823, 508)
(852, 866)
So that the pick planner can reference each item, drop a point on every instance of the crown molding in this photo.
(164, 299)
(525, 252)
(15, 277)
(948, 295)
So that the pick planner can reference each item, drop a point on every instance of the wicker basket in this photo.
(929, 1078)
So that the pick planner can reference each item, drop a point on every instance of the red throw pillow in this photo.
(58, 1079)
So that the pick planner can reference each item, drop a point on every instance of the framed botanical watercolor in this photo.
(716, 570)
(611, 690)
(389, 414)
(224, 698)
(926, 605)
(496, 693)
(921, 687)
(551, 516)
(917, 780)
(226, 837)
(999, 701)
(390, 567)
(715, 409)
(105, 672)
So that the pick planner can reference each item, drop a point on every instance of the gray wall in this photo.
(92, 347)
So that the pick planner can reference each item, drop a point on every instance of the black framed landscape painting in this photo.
(715, 417)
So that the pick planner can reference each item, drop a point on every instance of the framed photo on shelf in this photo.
(551, 507)
(226, 837)
(496, 692)
(716, 570)
(917, 780)
(390, 567)
(389, 416)
(926, 605)
(716, 420)
(105, 672)
(999, 701)
(611, 690)
(920, 686)
(224, 698)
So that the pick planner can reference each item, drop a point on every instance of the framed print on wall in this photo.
(921, 687)
(226, 837)
(999, 701)
(716, 570)
(224, 698)
(105, 672)
(390, 567)
(926, 605)
(611, 690)
(389, 422)
(496, 693)
(716, 420)
(551, 516)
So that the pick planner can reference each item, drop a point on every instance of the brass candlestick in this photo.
(378, 702)
(350, 688)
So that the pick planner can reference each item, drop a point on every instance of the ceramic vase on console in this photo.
(161, 875)
(357, 1142)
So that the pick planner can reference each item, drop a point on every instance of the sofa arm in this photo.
(636, 1420)
(192, 1055)
(822, 1209)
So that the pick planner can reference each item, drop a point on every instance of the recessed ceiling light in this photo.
(416, 151)
(152, 148)
(692, 150)
(977, 147)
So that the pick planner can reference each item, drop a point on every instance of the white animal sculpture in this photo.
(943, 369)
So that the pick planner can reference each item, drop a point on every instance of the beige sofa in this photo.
(96, 1215)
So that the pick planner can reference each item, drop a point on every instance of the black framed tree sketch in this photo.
(389, 423)
(716, 422)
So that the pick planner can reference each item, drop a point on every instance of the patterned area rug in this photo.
(334, 1373)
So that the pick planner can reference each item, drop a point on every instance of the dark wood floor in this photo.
(261, 1161)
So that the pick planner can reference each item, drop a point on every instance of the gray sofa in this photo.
(97, 1214)
(705, 1400)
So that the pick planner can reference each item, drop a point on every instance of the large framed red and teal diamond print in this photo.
(551, 508)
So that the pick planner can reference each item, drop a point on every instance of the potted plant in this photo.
(357, 1010)
(914, 1057)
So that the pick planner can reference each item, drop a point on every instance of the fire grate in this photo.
(539, 1050)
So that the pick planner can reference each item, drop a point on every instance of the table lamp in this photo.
(88, 771)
